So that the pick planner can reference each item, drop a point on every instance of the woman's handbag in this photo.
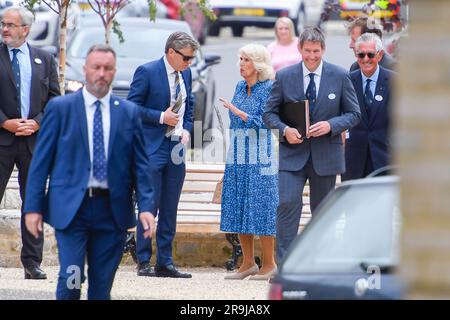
(217, 197)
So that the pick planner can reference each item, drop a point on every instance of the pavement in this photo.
(205, 284)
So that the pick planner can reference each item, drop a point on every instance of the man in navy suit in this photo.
(320, 157)
(28, 79)
(163, 90)
(367, 146)
(363, 25)
(91, 145)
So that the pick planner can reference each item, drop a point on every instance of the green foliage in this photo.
(152, 9)
(117, 31)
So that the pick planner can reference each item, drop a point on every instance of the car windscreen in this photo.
(140, 43)
(357, 227)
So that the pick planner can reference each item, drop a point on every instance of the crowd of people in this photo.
(100, 151)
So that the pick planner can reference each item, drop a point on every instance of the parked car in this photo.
(380, 8)
(238, 14)
(350, 249)
(144, 41)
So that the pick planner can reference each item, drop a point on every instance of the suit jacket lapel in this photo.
(82, 120)
(114, 105)
(4, 57)
(357, 82)
(323, 86)
(35, 79)
(299, 80)
(380, 91)
(165, 80)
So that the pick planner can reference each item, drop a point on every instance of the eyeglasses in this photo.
(370, 55)
(185, 58)
(11, 25)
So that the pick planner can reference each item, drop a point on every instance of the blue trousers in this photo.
(92, 236)
(168, 170)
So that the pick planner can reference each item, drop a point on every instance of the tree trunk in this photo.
(62, 46)
(108, 32)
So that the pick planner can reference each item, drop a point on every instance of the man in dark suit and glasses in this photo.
(91, 146)
(333, 109)
(363, 25)
(163, 90)
(367, 144)
(28, 79)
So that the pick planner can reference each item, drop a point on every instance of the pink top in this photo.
(283, 56)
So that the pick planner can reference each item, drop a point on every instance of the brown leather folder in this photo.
(296, 115)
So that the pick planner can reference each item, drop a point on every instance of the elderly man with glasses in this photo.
(163, 90)
(367, 144)
(28, 79)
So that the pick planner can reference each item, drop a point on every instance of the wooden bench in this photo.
(196, 212)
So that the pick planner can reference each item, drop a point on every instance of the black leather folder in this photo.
(296, 115)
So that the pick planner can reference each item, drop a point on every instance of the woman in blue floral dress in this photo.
(250, 186)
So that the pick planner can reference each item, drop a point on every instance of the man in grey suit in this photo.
(320, 157)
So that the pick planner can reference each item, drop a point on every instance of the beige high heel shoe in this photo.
(242, 275)
(266, 276)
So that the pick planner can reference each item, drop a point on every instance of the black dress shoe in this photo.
(145, 270)
(34, 272)
(170, 272)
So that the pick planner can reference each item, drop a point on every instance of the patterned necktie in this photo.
(99, 162)
(311, 91)
(16, 71)
(178, 101)
(368, 97)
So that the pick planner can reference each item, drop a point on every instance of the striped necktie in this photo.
(178, 101)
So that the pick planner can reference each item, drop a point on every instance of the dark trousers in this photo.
(291, 185)
(92, 236)
(168, 171)
(19, 154)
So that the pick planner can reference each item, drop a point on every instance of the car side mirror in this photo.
(211, 59)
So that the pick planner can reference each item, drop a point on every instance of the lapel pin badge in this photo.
(116, 103)
(37, 61)
(331, 96)
(378, 98)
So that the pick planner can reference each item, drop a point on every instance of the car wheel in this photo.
(214, 30)
(237, 31)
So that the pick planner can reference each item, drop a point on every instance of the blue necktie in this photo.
(368, 97)
(99, 146)
(16, 71)
(178, 101)
(311, 91)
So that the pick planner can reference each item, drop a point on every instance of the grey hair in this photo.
(367, 38)
(260, 57)
(179, 40)
(312, 34)
(101, 48)
(25, 14)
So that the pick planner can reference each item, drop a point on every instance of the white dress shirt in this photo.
(89, 100)
(171, 77)
(317, 76)
(374, 81)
